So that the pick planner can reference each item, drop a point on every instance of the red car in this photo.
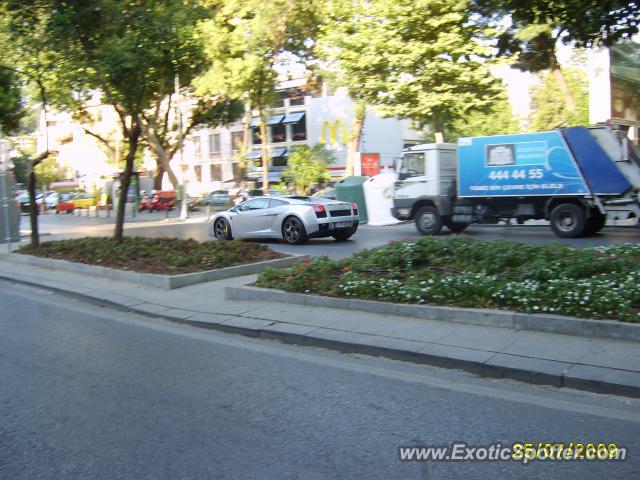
(161, 200)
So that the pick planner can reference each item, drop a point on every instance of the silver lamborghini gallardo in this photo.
(293, 218)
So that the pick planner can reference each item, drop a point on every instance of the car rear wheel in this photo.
(293, 231)
(568, 220)
(222, 229)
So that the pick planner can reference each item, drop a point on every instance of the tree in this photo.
(413, 59)
(308, 166)
(164, 136)
(245, 41)
(549, 109)
(537, 26)
(129, 50)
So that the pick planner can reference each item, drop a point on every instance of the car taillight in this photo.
(321, 212)
(354, 206)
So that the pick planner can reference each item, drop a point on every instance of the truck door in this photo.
(412, 179)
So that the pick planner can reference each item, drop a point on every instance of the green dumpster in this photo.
(350, 189)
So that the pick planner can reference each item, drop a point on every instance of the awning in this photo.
(275, 119)
(278, 152)
(255, 122)
(254, 154)
(256, 173)
(293, 117)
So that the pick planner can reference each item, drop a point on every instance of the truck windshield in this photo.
(411, 165)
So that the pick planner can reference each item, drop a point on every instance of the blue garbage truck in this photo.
(576, 178)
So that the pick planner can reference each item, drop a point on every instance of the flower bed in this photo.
(600, 282)
(153, 255)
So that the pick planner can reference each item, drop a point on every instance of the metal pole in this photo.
(5, 208)
(184, 214)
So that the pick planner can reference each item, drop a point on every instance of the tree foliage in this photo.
(11, 103)
(308, 166)
(48, 171)
(498, 120)
(245, 40)
(549, 109)
(414, 59)
(537, 26)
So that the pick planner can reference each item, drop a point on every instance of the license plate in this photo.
(342, 224)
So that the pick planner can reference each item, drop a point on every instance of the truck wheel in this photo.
(568, 220)
(428, 221)
(595, 223)
(455, 227)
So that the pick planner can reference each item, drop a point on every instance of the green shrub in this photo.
(600, 282)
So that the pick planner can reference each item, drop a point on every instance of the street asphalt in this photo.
(91, 393)
(156, 225)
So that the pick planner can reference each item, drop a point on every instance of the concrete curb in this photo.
(486, 364)
(167, 282)
(607, 329)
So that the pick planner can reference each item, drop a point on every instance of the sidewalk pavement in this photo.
(604, 366)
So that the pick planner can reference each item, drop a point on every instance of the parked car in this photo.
(51, 199)
(83, 200)
(272, 192)
(293, 218)
(191, 203)
(217, 198)
(23, 201)
(65, 203)
(158, 200)
(329, 193)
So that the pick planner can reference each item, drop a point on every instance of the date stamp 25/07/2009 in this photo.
(523, 452)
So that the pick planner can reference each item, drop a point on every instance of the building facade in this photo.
(211, 155)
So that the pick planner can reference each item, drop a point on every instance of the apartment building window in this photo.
(279, 157)
(279, 133)
(298, 124)
(184, 168)
(197, 147)
(216, 173)
(197, 173)
(236, 141)
(214, 146)
(255, 136)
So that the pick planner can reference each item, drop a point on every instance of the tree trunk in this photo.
(162, 159)
(33, 209)
(246, 137)
(133, 136)
(33, 206)
(360, 112)
(158, 176)
(437, 125)
(264, 147)
(570, 102)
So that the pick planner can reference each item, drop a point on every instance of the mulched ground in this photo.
(168, 256)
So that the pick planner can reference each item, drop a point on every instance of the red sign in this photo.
(370, 164)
